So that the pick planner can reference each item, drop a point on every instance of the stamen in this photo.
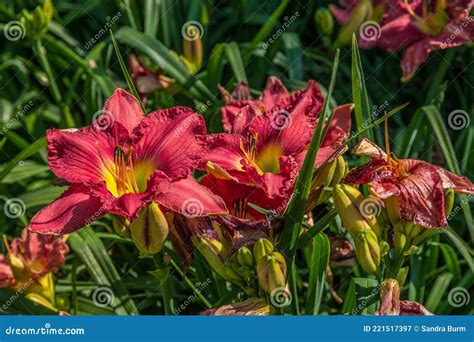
(252, 145)
(7, 244)
(387, 142)
(239, 206)
(410, 10)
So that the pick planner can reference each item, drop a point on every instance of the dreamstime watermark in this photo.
(18, 293)
(191, 298)
(370, 31)
(281, 297)
(103, 120)
(363, 303)
(46, 330)
(103, 296)
(280, 119)
(458, 296)
(457, 32)
(192, 207)
(458, 119)
(458, 208)
(99, 213)
(13, 207)
(14, 30)
(287, 22)
(109, 22)
(21, 111)
(192, 30)
(370, 207)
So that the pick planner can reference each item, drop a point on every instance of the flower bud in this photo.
(192, 47)
(36, 22)
(359, 14)
(149, 230)
(271, 271)
(262, 248)
(389, 298)
(324, 21)
(120, 225)
(245, 257)
(249, 307)
(367, 251)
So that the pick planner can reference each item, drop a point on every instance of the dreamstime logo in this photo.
(280, 119)
(458, 297)
(458, 119)
(192, 30)
(192, 207)
(287, 22)
(21, 110)
(14, 30)
(13, 207)
(370, 207)
(102, 120)
(103, 296)
(109, 22)
(280, 297)
(370, 31)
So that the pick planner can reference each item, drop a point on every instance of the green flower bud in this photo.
(36, 22)
(245, 257)
(361, 12)
(262, 248)
(368, 251)
(149, 230)
(271, 271)
(324, 21)
(120, 226)
(192, 45)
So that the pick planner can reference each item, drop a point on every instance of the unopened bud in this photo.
(149, 230)
(368, 251)
(245, 257)
(120, 226)
(324, 21)
(262, 248)
(271, 270)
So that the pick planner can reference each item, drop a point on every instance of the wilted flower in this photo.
(125, 161)
(417, 186)
(391, 305)
(29, 264)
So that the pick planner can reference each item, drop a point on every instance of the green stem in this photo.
(191, 285)
(168, 301)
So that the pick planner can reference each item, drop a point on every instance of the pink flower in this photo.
(123, 162)
(418, 185)
(31, 257)
(422, 28)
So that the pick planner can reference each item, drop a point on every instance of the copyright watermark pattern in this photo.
(103, 120)
(103, 296)
(281, 297)
(458, 296)
(370, 31)
(14, 30)
(192, 207)
(192, 30)
(13, 207)
(280, 119)
(370, 207)
(458, 119)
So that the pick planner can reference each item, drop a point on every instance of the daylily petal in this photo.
(74, 209)
(40, 253)
(124, 109)
(191, 199)
(224, 151)
(239, 121)
(173, 139)
(399, 32)
(339, 127)
(6, 274)
(274, 93)
(81, 156)
(410, 308)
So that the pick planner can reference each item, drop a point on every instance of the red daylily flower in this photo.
(31, 257)
(424, 27)
(123, 162)
(268, 137)
(418, 185)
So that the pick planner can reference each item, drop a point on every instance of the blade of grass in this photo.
(235, 60)
(317, 273)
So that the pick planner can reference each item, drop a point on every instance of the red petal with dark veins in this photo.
(124, 108)
(401, 31)
(40, 253)
(422, 196)
(373, 170)
(339, 127)
(74, 209)
(274, 93)
(191, 199)
(173, 139)
(6, 274)
(242, 119)
(224, 150)
(237, 196)
(230, 114)
(79, 155)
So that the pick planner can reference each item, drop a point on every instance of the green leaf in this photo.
(25, 170)
(438, 291)
(20, 305)
(368, 294)
(100, 266)
(451, 260)
(359, 91)
(25, 154)
(235, 60)
(162, 56)
(292, 44)
(317, 273)
(318, 227)
(462, 247)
